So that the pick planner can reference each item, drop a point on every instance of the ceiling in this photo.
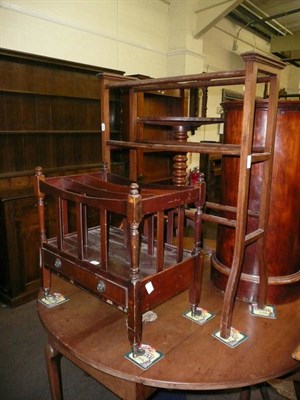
(277, 21)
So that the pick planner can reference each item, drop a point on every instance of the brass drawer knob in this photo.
(101, 286)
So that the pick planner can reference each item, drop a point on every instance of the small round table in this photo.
(93, 335)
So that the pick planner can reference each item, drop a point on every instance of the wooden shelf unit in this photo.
(258, 69)
(49, 112)
(151, 103)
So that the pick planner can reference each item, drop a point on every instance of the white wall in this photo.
(150, 37)
(129, 35)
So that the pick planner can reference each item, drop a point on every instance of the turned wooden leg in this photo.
(245, 393)
(53, 358)
(134, 213)
(134, 317)
(195, 292)
(264, 393)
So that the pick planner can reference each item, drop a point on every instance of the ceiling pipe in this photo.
(283, 14)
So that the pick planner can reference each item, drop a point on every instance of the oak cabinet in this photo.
(19, 270)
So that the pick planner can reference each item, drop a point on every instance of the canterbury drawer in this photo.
(89, 277)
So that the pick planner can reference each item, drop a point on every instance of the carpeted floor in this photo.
(23, 374)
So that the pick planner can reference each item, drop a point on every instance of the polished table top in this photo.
(95, 333)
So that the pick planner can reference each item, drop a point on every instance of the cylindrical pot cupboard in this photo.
(283, 231)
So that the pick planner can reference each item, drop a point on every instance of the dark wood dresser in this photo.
(49, 114)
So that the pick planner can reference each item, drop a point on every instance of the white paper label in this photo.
(249, 161)
(149, 287)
